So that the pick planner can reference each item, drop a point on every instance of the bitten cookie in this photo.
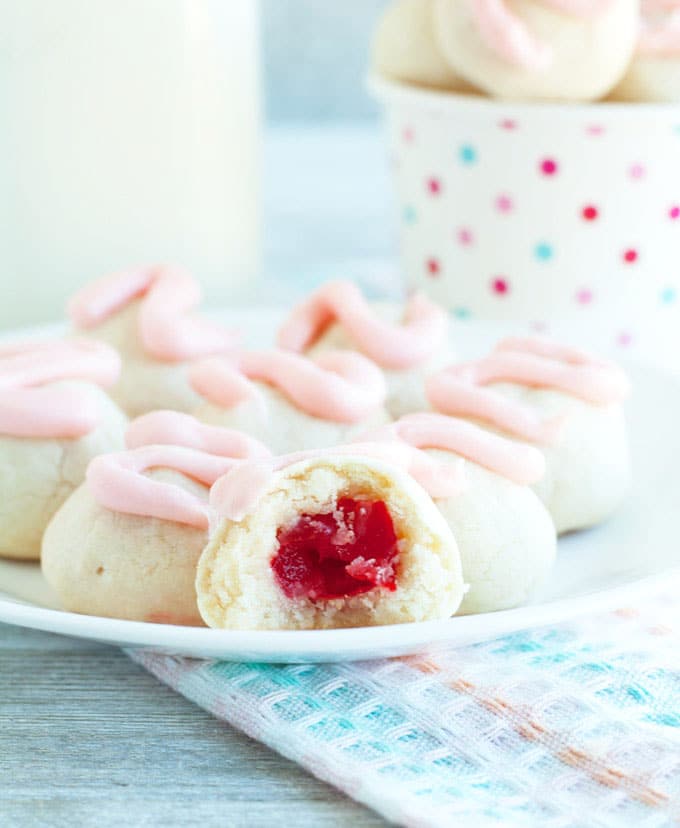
(407, 342)
(330, 539)
(290, 402)
(565, 402)
(505, 536)
(146, 315)
(559, 50)
(405, 48)
(54, 418)
(126, 543)
(654, 72)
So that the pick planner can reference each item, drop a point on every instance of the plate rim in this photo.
(341, 644)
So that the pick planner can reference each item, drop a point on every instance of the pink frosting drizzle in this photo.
(660, 28)
(175, 429)
(507, 34)
(341, 386)
(536, 363)
(401, 443)
(237, 493)
(398, 347)
(31, 407)
(518, 462)
(166, 329)
(117, 481)
(169, 440)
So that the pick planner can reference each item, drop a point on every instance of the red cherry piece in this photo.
(349, 551)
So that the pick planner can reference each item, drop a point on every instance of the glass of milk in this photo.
(129, 134)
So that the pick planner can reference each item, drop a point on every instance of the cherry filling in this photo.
(345, 552)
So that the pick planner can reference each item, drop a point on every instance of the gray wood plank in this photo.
(183, 813)
(89, 738)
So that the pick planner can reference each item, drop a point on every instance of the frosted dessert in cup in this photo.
(553, 208)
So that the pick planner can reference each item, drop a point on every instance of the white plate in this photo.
(602, 568)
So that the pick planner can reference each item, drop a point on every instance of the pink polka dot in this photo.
(595, 130)
(674, 212)
(508, 124)
(625, 338)
(500, 286)
(538, 327)
(504, 204)
(433, 268)
(434, 186)
(408, 135)
(630, 256)
(549, 166)
(584, 296)
(590, 212)
(637, 171)
(465, 237)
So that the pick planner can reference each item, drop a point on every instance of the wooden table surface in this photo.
(87, 738)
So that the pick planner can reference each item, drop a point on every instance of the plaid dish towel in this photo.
(572, 725)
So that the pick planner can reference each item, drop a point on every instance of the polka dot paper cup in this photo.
(542, 214)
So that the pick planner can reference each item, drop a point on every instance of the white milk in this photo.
(129, 133)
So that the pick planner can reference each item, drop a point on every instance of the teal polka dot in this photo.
(409, 214)
(462, 313)
(544, 252)
(676, 129)
(669, 295)
(467, 154)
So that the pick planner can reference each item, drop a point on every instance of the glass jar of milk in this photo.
(129, 134)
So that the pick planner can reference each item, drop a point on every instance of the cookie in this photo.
(54, 418)
(407, 342)
(553, 50)
(126, 543)
(505, 536)
(565, 402)
(405, 48)
(288, 401)
(339, 538)
(654, 72)
(147, 315)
